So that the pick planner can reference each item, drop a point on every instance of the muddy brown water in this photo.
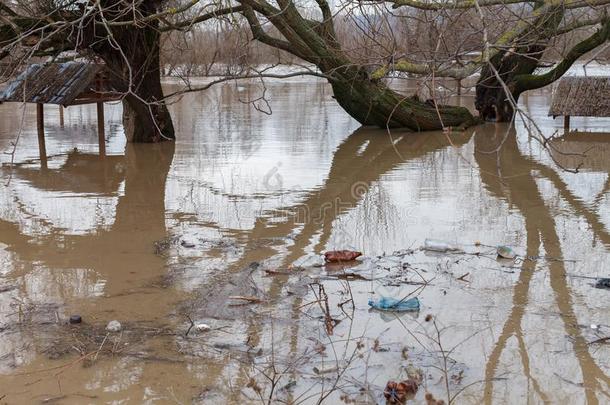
(244, 204)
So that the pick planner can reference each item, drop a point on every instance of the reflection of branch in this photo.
(540, 227)
(531, 81)
(597, 226)
(512, 326)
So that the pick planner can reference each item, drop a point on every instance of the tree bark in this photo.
(371, 102)
(132, 55)
(499, 86)
(362, 96)
(145, 114)
(495, 102)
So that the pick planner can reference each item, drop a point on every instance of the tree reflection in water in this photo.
(509, 175)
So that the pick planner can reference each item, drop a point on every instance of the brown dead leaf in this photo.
(338, 256)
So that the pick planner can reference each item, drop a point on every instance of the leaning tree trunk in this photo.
(365, 98)
(371, 102)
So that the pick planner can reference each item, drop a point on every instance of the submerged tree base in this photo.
(371, 102)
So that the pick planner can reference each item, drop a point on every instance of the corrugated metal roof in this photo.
(582, 97)
(51, 83)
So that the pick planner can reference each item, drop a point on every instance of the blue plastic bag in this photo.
(394, 304)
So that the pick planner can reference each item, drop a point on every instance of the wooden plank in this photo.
(93, 100)
(42, 148)
(566, 123)
(100, 129)
(61, 116)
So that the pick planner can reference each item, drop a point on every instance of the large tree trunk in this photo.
(498, 88)
(145, 114)
(493, 100)
(371, 102)
(368, 100)
(135, 71)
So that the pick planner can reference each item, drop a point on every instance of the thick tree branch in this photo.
(201, 18)
(451, 5)
(522, 29)
(259, 34)
(470, 4)
(8, 10)
(577, 24)
(530, 82)
(156, 16)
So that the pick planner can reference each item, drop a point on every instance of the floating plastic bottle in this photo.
(441, 246)
(506, 252)
(394, 304)
(603, 283)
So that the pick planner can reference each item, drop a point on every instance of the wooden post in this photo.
(100, 129)
(459, 87)
(566, 123)
(61, 116)
(42, 148)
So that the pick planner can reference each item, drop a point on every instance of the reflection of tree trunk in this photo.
(143, 205)
(321, 207)
(517, 185)
(139, 220)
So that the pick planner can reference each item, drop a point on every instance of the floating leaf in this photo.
(337, 256)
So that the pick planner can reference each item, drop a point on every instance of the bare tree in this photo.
(366, 98)
(514, 36)
(124, 35)
(354, 45)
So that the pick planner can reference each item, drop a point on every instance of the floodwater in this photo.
(160, 236)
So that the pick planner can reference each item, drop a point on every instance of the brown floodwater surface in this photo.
(161, 236)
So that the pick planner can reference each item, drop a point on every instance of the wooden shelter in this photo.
(63, 84)
(581, 97)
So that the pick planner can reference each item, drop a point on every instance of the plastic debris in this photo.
(114, 326)
(506, 252)
(435, 245)
(393, 304)
(187, 243)
(594, 326)
(337, 256)
(325, 370)
(74, 319)
(202, 327)
(247, 298)
(603, 283)
(397, 392)
(430, 400)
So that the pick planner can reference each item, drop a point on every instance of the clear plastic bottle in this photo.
(435, 245)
